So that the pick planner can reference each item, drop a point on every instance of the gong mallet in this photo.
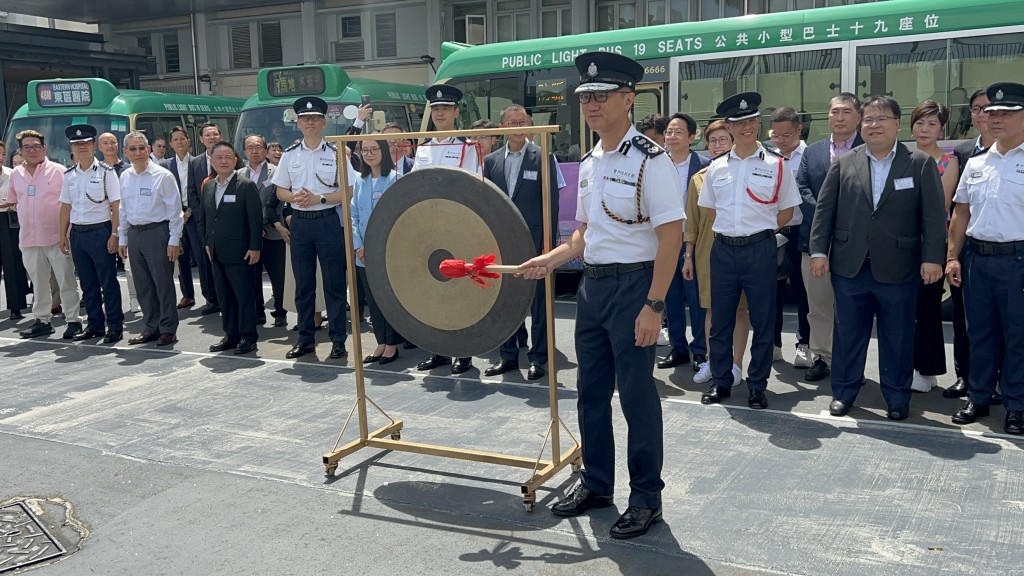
(481, 269)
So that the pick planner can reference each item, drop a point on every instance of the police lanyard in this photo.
(778, 186)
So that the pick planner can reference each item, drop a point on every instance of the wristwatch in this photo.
(323, 199)
(656, 305)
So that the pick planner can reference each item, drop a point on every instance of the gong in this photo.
(434, 214)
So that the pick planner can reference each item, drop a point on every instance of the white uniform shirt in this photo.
(993, 184)
(612, 177)
(90, 192)
(314, 169)
(5, 185)
(149, 197)
(454, 152)
(729, 183)
(794, 164)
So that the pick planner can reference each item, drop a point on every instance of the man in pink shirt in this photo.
(35, 190)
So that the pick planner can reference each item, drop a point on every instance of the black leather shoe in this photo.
(536, 371)
(635, 522)
(838, 408)
(461, 365)
(579, 501)
(898, 412)
(388, 359)
(674, 358)
(715, 394)
(969, 413)
(88, 335)
(300, 349)
(758, 399)
(1014, 422)
(433, 361)
(166, 339)
(957, 390)
(37, 329)
(209, 309)
(501, 367)
(112, 337)
(223, 345)
(17, 315)
(143, 338)
(818, 371)
(698, 359)
(245, 346)
(338, 350)
(408, 345)
(73, 329)
(997, 399)
(371, 358)
(280, 322)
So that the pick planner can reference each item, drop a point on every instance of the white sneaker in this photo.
(703, 375)
(777, 354)
(803, 357)
(663, 337)
(922, 383)
(737, 376)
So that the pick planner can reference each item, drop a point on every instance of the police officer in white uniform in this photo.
(456, 152)
(753, 193)
(307, 178)
(986, 225)
(631, 208)
(90, 200)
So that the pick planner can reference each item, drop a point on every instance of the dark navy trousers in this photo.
(682, 294)
(994, 299)
(538, 351)
(607, 353)
(193, 249)
(101, 293)
(750, 269)
(319, 239)
(859, 300)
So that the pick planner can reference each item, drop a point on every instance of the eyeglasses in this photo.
(876, 120)
(586, 97)
(676, 133)
(137, 148)
(369, 151)
(725, 140)
(978, 110)
(782, 136)
(32, 147)
(520, 123)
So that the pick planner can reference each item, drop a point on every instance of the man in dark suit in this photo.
(516, 169)
(178, 164)
(233, 227)
(272, 258)
(198, 171)
(879, 225)
(843, 120)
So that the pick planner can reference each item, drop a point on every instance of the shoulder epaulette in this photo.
(70, 170)
(292, 147)
(979, 152)
(332, 146)
(462, 138)
(774, 153)
(647, 146)
(105, 166)
(587, 155)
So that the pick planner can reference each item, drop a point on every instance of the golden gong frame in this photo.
(389, 437)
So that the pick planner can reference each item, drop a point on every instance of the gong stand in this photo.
(389, 436)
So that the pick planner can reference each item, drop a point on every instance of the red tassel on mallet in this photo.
(481, 268)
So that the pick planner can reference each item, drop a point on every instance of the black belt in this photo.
(142, 227)
(786, 230)
(606, 270)
(310, 213)
(88, 227)
(994, 248)
(744, 240)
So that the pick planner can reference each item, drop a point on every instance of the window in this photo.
(146, 43)
(470, 23)
(241, 47)
(386, 35)
(555, 18)
(616, 15)
(976, 63)
(271, 53)
(350, 47)
(771, 6)
(172, 58)
(678, 11)
(910, 72)
(512, 20)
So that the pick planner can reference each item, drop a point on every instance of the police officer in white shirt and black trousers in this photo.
(753, 193)
(89, 206)
(457, 152)
(987, 228)
(630, 205)
(307, 178)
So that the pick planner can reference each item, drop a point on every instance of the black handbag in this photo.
(12, 219)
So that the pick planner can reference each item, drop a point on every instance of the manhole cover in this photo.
(23, 540)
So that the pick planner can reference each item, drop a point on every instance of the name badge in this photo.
(145, 191)
(529, 174)
(903, 183)
(229, 197)
(584, 183)
(31, 189)
(295, 165)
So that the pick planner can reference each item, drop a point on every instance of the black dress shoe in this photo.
(579, 501)
(280, 322)
(245, 346)
(818, 371)
(338, 350)
(143, 338)
(838, 408)
(37, 329)
(758, 399)
(635, 522)
(674, 358)
(997, 399)
(970, 413)
(957, 390)
(371, 358)
(17, 315)
(501, 367)
(261, 320)
(715, 394)
(88, 335)
(388, 359)
(408, 345)
(433, 361)
(166, 339)
(461, 365)
(300, 349)
(209, 308)
(73, 329)
(536, 371)
(223, 345)
(1014, 422)
(112, 337)
(898, 412)
(698, 359)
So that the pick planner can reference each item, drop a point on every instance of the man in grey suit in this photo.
(261, 173)
(516, 169)
(878, 226)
